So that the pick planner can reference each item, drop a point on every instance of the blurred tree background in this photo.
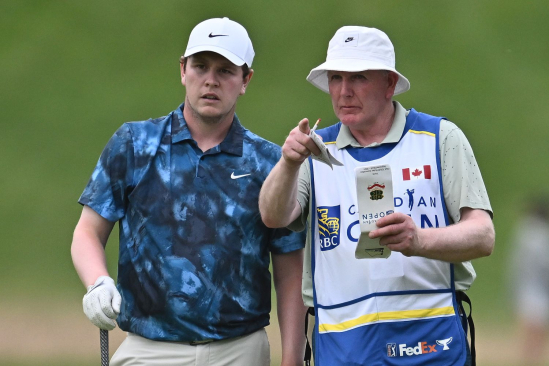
(71, 72)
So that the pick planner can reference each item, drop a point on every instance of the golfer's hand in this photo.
(298, 145)
(399, 233)
(102, 303)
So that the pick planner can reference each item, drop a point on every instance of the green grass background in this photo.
(72, 71)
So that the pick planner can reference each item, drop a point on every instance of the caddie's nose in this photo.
(346, 87)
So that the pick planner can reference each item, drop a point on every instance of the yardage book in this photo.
(325, 156)
(374, 188)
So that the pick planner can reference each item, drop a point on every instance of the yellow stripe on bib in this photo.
(388, 315)
(422, 132)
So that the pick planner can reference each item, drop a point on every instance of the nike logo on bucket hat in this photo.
(217, 35)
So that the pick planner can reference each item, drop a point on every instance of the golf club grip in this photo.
(104, 340)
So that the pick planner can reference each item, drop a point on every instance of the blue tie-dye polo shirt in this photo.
(194, 253)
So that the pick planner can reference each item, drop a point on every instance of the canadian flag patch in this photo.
(423, 172)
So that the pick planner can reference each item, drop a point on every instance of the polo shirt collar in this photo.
(345, 137)
(232, 143)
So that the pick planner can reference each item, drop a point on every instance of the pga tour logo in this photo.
(391, 349)
(421, 348)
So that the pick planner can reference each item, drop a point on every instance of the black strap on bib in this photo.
(467, 322)
(308, 352)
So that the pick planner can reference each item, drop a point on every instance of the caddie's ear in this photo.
(246, 82)
(182, 67)
(392, 80)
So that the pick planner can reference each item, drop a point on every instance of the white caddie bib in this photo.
(385, 311)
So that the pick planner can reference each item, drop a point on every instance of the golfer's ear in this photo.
(246, 82)
(182, 67)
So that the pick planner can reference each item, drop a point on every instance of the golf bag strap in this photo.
(461, 298)
(308, 351)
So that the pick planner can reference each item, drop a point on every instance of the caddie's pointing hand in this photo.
(102, 303)
(299, 145)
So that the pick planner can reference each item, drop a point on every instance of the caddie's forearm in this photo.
(278, 197)
(473, 237)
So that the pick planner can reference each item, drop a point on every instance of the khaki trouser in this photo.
(249, 350)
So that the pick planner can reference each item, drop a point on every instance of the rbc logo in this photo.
(328, 226)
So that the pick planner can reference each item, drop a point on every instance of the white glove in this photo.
(102, 303)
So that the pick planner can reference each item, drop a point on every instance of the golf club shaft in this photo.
(104, 340)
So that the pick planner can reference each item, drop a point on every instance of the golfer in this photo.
(406, 309)
(193, 285)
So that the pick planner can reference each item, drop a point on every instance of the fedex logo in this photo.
(420, 349)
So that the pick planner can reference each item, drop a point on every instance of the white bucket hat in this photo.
(223, 36)
(354, 48)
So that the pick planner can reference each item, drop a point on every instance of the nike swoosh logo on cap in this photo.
(239, 176)
(217, 35)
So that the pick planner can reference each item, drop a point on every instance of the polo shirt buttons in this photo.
(200, 171)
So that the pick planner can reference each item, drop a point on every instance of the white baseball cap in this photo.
(353, 49)
(223, 36)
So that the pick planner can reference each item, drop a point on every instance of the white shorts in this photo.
(252, 349)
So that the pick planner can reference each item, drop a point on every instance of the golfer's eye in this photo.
(335, 77)
(359, 77)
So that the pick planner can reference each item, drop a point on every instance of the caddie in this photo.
(405, 309)
(193, 286)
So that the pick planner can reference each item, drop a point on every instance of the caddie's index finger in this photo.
(304, 126)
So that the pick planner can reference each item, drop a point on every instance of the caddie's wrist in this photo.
(289, 165)
(423, 240)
